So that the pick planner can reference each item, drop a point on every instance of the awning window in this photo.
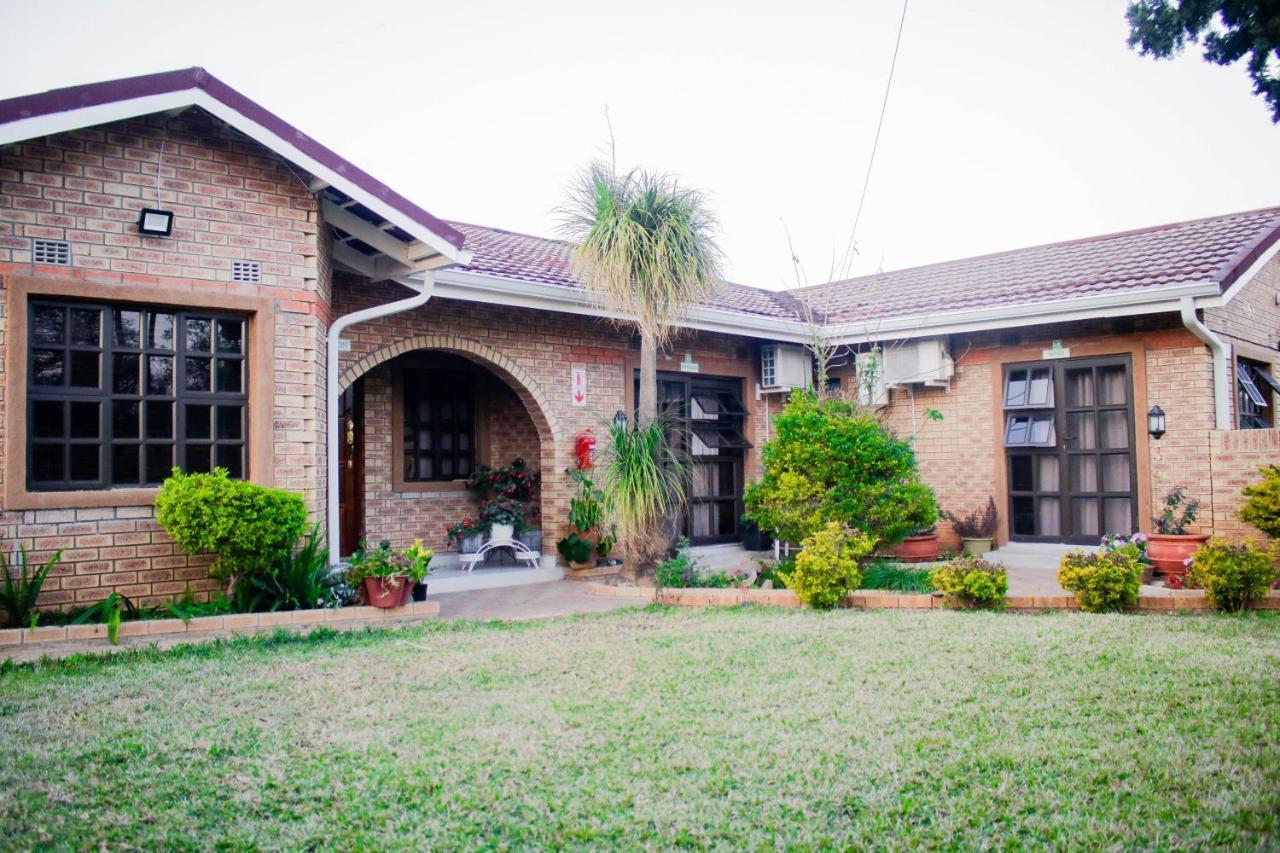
(1029, 388)
(708, 440)
(710, 405)
(1030, 431)
(1245, 373)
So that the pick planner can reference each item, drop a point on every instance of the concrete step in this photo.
(1034, 555)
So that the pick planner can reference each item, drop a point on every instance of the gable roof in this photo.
(74, 107)
(1215, 250)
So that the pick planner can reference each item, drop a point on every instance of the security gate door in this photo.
(1069, 439)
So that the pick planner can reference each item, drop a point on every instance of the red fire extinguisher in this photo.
(584, 447)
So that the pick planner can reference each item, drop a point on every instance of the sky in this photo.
(1010, 122)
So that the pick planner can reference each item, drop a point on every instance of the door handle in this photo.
(351, 441)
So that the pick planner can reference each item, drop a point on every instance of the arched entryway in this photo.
(417, 418)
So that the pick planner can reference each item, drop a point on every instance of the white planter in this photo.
(502, 533)
(471, 544)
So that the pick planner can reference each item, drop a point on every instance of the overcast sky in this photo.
(1011, 122)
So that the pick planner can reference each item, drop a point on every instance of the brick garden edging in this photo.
(208, 627)
(1169, 601)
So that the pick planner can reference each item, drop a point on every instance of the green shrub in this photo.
(830, 460)
(883, 574)
(679, 570)
(247, 527)
(22, 584)
(1262, 505)
(301, 579)
(827, 565)
(970, 580)
(1232, 575)
(1101, 582)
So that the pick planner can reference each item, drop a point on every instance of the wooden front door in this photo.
(351, 467)
(1069, 445)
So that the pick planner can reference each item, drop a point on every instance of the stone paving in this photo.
(534, 601)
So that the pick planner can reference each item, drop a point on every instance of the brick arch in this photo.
(526, 388)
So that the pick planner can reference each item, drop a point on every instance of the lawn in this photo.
(728, 728)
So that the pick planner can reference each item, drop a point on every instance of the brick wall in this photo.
(1250, 323)
(233, 200)
(1235, 457)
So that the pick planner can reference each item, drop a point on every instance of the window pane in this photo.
(124, 464)
(48, 325)
(46, 419)
(159, 419)
(1084, 473)
(198, 374)
(198, 458)
(230, 335)
(1024, 515)
(425, 468)
(160, 374)
(1115, 473)
(199, 425)
(1020, 473)
(125, 368)
(1047, 470)
(1040, 391)
(1112, 388)
(1049, 517)
(161, 332)
(47, 462)
(86, 327)
(1081, 431)
(48, 366)
(198, 336)
(85, 462)
(1114, 426)
(1042, 432)
(1015, 434)
(1118, 515)
(229, 422)
(84, 369)
(1084, 517)
(86, 420)
(229, 374)
(229, 458)
(124, 419)
(1015, 391)
(1079, 384)
(159, 462)
(127, 329)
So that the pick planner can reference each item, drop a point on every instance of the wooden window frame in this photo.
(481, 401)
(258, 314)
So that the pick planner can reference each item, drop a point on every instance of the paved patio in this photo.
(533, 601)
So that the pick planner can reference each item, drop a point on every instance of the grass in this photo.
(727, 728)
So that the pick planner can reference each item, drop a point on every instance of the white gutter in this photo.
(1221, 355)
(334, 397)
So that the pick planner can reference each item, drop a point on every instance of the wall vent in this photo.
(56, 252)
(249, 272)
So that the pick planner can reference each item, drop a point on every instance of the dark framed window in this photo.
(119, 395)
(1255, 394)
(439, 425)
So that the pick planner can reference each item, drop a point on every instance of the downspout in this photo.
(1221, 354)
(335, 334)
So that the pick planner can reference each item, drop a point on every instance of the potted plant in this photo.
(578, 551)
(586, 515)
(1171, 545)
(920, 547)
(1133, 547)
(502, 516)
(468, 533)
(388, 577)
(417, 558)
(976, 528)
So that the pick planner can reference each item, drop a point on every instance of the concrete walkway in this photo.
(532, 601)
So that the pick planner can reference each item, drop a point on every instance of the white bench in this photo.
(521, 552)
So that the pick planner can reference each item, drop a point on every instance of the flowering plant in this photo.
(388, 565)
(465, 529)
(515, 481)
(1134, 546)
(503, 511)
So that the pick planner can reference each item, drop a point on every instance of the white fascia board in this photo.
(1242, 282)
(495, 290)
(68, 120)
(1145, 301)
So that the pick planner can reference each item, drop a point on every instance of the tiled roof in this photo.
(523, 257)
(1217, 249)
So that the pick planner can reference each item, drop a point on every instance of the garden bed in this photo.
(870, 599)
(238, 623)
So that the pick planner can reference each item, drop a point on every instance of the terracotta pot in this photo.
(976, 547)
(917, 549)
(382, 595)
(1169, 553)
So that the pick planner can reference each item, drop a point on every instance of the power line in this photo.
(866, 182)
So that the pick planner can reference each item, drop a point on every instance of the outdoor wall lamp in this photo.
(1155, 422)
(620, 419)
(157, 223)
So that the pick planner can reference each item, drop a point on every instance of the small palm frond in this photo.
(642, 477)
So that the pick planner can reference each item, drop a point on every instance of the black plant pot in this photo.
(754, 539)
(420, 592)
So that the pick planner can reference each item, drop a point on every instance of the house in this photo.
(190, 281)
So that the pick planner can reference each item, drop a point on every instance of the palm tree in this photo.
(646, 252)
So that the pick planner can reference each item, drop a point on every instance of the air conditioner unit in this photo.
(924, 362)
(872, 390)
(784, 367)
